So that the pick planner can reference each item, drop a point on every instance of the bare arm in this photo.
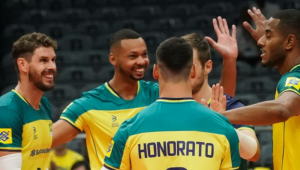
(227, 47)
(268, 112)
(63, 132)
(251, 133)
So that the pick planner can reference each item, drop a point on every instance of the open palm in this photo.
(226, 45)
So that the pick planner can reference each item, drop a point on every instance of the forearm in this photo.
(264, 113)
(228, 76)
(63, 132)
(11, 162)
(248, 145)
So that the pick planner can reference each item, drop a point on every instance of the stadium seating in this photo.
(56, 30)
(92, 28)
(75, 42)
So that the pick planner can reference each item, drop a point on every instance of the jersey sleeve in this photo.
(11, 127)
(72, 114)
(237, 104)
(117, 156)
(232, 159)
(289, 82)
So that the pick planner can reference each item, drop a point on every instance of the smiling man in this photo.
(25, 123)
(280, 46)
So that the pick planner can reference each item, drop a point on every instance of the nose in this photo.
(51, 66)
(142, 60)
(261, 41)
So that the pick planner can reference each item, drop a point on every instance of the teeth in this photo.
(139, 70)
(49, 76)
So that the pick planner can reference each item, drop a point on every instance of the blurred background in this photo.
(83, 28)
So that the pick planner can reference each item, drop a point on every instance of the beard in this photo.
(277, 56)
(38, 82)
(199, 84)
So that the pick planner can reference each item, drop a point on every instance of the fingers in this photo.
(211, 42)
(221, 92)
(216, 27)
(217, 92)
(259, 15)
(225, 26)
(204, 102)
(213, 93)
(248, 27)
(224, 102)
(221, 26)
(233, 31)
(253, 15)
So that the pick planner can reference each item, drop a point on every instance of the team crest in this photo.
(293, 82)
(110, 148)
(6, 135)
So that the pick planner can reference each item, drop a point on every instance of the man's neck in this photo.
(175, 90)
(60, 153)
(292, 60)
(30, 93)
(125, 87)
(203, 93)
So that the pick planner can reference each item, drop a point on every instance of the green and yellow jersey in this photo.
(25, 129)
(174, 134)
(66, 161)
(101, 111)
(286, 135)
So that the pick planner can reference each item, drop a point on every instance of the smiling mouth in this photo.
(263, 52)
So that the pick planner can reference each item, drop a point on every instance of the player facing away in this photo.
(201, 90)
(25, 124)
(279, 39)
(101, 111)
(175, 132)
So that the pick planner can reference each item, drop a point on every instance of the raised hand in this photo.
(218, 99)
(226, 45)
(260, 23)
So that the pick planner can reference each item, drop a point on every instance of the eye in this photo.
(54, 59)
(44, 60)
(132, 56)
(145, 54)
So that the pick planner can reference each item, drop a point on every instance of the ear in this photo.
(208, 67)
(23, 65)
(155, 72)
(112, 59)
(193, 71)
(291, 41)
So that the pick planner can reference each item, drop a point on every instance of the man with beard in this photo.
(102, 110)
(202, 90)
(25, 123)
(279, 39)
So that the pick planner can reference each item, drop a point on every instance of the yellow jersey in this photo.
(286, 135)
(26, 130)
(65, 162)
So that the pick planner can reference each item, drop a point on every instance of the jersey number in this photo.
(177, 168)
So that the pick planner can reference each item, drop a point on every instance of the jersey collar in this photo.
(113, 92)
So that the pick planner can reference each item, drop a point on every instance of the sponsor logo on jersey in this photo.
(293, 82)
(114, 123)
(6, 135)
(34, 133)
(36, 152)
(110, 148)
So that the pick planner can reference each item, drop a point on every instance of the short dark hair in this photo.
(78, 164)
(289, 22)
(175, 58)
(123, 34)
(27, 44)
(198, 42)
